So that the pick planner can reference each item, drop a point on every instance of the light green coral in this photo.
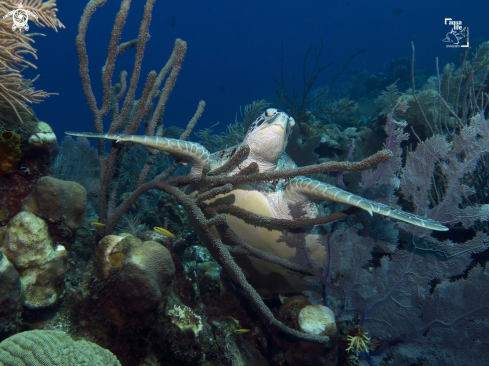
(52, 348)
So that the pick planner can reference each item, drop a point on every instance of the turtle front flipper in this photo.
(181, 151)
(316, 190)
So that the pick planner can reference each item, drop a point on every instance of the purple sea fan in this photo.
(387, 173)
(412, 299)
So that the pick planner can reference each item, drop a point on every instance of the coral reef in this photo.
(133, 112)
(18, 186)
(297, 312)
(41, 147)
(215, 244)
(104, 252)
(317, 319)
(341, 239)
(10, 297)
(41, 265)
(135, 276)
(35, 149)
(61, 204)
(10, 290)
(382, 293)
(184, 318)
(144, 277)
(52, 348)
(76, 161)
(9, 151)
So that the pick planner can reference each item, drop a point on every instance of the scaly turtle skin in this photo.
(267, 138)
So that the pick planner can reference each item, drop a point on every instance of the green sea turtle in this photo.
(267, 138)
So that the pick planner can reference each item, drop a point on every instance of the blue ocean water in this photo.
(234, 49)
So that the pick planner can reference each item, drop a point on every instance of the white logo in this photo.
(456, 34)
(20, 17)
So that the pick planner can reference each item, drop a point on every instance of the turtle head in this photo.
(268, 135)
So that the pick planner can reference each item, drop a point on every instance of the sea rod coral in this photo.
(128, 118)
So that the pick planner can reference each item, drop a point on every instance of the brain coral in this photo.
(9, 151)
(144, 277)
(111, 251)
(52, 348)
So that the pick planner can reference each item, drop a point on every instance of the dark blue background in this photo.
(234, 48)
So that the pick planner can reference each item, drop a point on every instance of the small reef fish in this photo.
(97, 224)
(242, 331)
(164, 232)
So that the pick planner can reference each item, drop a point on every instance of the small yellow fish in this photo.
(164, 232)
(97, 224)
(242, 331)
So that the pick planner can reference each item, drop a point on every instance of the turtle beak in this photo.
(279, 122)
(278, 129)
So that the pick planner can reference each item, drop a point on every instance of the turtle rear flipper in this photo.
(316, 190)
(181, 151)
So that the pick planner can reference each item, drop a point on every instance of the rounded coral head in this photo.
(317, 319)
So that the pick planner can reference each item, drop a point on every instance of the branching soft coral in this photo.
(15, 90)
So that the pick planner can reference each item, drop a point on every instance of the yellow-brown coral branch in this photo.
(14, 45)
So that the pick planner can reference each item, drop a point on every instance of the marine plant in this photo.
(15, 90)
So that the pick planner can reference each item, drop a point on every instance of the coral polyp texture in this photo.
(317, 319)
(52, 348)
(144, 277)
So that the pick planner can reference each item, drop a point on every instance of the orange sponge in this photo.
(9, 151)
